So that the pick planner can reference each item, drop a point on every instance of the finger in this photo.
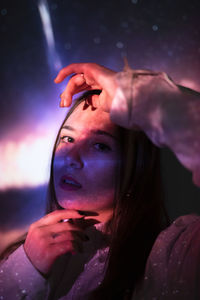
(80, 235)
(59, 227)
(55, 238)
(90, 71)
(88, 213)
(66, 100)
(57, 216)
(85, 223)
(67, 236)
(75, 85)
(65, 247)
(70, 69)
(94, 101)
(78, 83)
(62, 248)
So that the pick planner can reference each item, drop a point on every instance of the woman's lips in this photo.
(68, 183)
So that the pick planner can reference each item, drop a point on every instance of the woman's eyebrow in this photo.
(68, 127)
(102, 132)
(96, 132)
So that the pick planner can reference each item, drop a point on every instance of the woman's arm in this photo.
(23, 274)
(169, 114)
(141, 99)
(19, 279)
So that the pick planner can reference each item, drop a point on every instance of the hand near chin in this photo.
(88, 76)
(50, 237)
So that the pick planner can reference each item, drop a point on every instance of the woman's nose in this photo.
(73, 158)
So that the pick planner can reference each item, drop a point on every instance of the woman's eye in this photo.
(102, 147)
(67, 139)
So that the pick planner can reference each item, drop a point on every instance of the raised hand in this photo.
(88, 76)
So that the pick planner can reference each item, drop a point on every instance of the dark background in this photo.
(159, 35)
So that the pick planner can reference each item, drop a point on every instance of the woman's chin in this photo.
(74, 205)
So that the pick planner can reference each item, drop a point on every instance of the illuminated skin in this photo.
(168, 113)
(85, 165)
(86, 161)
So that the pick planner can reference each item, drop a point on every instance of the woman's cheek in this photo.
(102, 171)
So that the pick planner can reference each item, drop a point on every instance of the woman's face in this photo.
(86, 161)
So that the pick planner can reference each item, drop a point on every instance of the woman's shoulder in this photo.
(184, 229)
(172, 269)
(174, 244)
(19, 279)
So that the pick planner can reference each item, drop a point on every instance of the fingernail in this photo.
(64, 102)
(61, 103)
(82, 213)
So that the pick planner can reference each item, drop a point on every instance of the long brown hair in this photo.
(139, 216)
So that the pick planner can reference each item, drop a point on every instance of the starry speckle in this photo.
(155, 27)
(97, 40)
(134, 1)
(174, 292)
(170, 53)
(124, 24)
(119, 45)
(4, 11)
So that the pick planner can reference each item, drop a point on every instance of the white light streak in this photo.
(48, 32)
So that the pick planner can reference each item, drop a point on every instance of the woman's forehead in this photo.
(90, 118)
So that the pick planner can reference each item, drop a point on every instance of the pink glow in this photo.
(190, 84)
(8, 237)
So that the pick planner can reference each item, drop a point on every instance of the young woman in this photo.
(170, 116)
(121, 215)
(105, 210)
